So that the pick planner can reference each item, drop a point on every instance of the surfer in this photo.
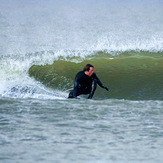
(86, 83)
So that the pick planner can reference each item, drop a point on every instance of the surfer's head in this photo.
(88, 69)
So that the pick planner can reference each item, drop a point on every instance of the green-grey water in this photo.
(34, 130)
(139, 81)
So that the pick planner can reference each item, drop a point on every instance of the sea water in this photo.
(37, 121)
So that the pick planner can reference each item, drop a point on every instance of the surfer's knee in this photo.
(71, 94)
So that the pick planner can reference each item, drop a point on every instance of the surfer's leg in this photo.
(94, 86)
(71, 94)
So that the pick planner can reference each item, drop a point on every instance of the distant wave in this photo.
(120, 36)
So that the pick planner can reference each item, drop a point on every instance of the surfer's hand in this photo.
(106, 88)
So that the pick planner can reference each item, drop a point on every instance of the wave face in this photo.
(129, 75)
(40, 32)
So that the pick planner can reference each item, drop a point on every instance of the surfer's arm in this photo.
(76, 83)
(99, 82)
(76, 86)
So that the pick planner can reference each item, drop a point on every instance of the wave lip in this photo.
(129, 75)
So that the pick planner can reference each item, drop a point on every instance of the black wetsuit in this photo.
(85, 84)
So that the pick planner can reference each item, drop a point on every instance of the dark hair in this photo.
(87, 67)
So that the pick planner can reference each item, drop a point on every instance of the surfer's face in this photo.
(90, 71)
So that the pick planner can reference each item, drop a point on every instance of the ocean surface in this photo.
(43, 44)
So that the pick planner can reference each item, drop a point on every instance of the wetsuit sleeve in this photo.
(76, 86)
(76, 83)
(98, 81)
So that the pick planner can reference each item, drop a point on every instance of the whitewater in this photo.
(43, 44)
